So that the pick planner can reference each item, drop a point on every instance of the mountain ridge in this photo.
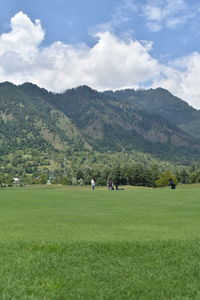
(82, 118)
(165, 104)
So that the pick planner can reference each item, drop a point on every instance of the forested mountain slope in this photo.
(111, 123)
(30, 122)
(161, 102)
(82, 118)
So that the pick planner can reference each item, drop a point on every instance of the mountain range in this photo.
(152, 121)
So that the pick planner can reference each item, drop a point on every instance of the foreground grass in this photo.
(76, 244)
(85, 270)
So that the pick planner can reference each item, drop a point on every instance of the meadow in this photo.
(71, 243)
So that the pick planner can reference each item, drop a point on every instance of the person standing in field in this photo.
(93, 184)
(110, 185)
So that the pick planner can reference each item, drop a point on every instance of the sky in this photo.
(105, 44)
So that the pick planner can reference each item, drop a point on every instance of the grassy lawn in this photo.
(72, 243)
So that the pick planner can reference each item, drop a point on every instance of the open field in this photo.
(72, 243)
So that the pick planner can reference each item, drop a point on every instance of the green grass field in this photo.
(72, 243)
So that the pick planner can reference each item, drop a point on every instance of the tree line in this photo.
(79, 167)
(136, 174)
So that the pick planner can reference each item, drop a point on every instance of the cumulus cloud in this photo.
(24, 37)
(112, 63)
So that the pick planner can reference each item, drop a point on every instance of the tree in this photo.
(65, 180)
(195, 176)
(43, 179)
(164, 179)
(184, 176)
(116, 175)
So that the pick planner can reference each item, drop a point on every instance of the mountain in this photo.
(161, 102)
(152, 121)
(113, 123)
(28, 121)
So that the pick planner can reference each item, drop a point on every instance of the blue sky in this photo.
(74, 21)
(106, 44)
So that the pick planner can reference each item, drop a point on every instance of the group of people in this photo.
(110, 185)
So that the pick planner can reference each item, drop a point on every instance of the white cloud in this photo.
(115, 63)
(156, 14)
(166, 13)
(24, 37)
(122, 14)
(112, 63)
(181, 78)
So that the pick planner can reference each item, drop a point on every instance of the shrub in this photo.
(163, 180)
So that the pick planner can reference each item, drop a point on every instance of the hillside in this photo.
(82, 119)
(30, 122)
(109, 123)
(161, 102)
